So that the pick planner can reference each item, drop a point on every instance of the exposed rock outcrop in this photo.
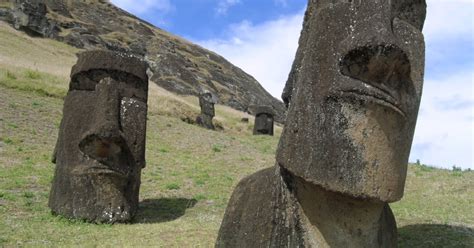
(31, 16)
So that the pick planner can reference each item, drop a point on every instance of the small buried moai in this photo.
(344, 150)
(206, 102)
(263, 121)
(100, 150)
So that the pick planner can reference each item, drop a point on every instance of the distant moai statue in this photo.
(263, 121)
(206, 101)
(100, 150)
(353, 103)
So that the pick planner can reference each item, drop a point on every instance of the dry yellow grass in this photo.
(45, 55)
(6, 3)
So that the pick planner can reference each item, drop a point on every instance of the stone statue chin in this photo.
(353, 97)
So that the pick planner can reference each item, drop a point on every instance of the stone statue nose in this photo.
(100, 147)
(373, 54)
(107, 117)
(106, 138)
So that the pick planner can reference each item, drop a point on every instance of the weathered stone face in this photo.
(101, 144)
(356, 96)
(353, 97)
(207, 110)
(263, 121)
(207, 104)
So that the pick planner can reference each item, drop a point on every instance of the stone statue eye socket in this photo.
(88, 80)
(82, 82)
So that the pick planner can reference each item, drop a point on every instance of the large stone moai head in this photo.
(358, 87)
(206, 102)
(263, 121)
(101, 144)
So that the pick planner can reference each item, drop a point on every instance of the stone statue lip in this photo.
(373, 94)
(97, 169)
(377, 73)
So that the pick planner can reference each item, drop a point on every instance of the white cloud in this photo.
(224, 5)
(444, 134)
(449, 19)
(265, 51)
(281, 2)
(143, 6)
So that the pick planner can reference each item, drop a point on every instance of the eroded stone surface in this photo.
(30, 15)
(272, 208)
(263, 120)
(101, 144)
(353, 97)
(356, 98)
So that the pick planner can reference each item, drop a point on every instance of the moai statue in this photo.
(206, 102)
(263, 121)
(344, 150)
(100, 150)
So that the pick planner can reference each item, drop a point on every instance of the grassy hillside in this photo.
(176, 64)
(190, 171)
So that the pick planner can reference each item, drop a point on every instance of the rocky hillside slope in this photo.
(176, 64)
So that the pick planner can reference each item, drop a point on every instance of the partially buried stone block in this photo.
(32, 17)
(100, 150)
(206, 102)
(353, 98)
(263, 121)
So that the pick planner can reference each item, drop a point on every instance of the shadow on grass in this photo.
(162, 210)
(434, 236)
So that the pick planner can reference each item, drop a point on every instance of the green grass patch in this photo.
(173, 186)
(33, 81)
(10, 75)
(28, 194)
(12, 125)
(435, 236)
(217, 148)
(35, 75)
(7, 141)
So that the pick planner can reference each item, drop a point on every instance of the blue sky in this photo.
(205, 19)
(260, 36)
